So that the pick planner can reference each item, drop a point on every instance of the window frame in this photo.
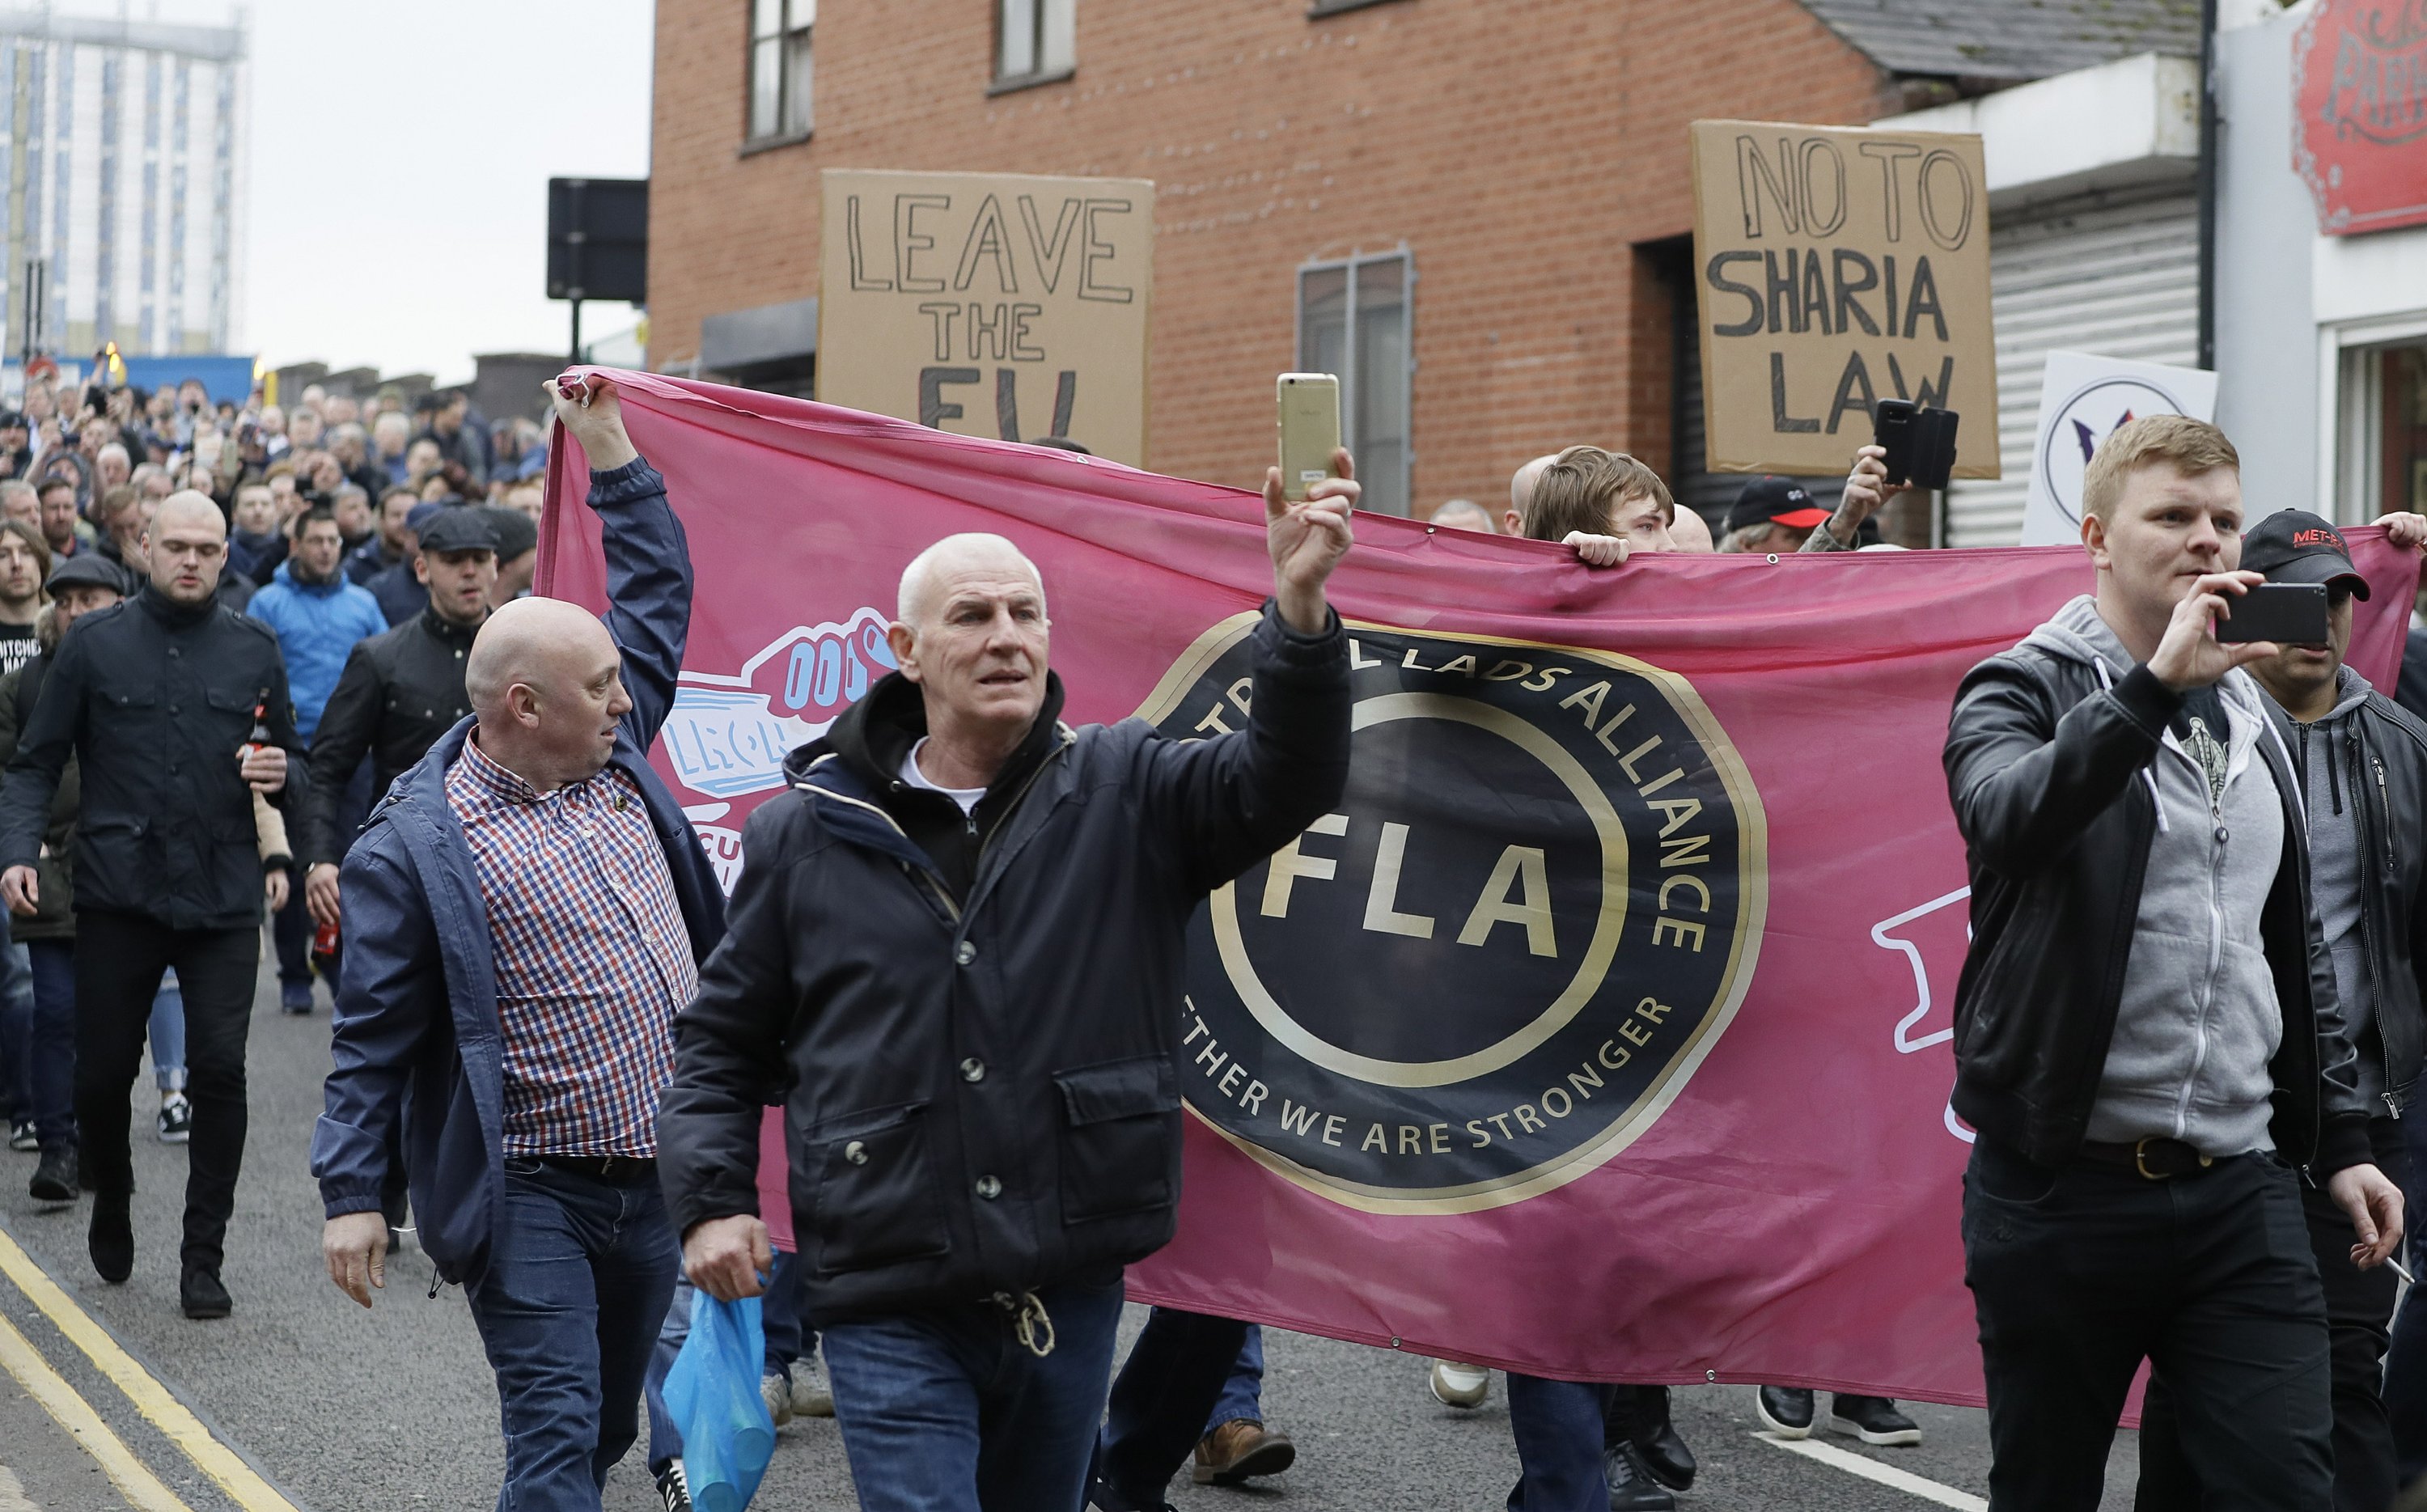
(784, 40)
(1349, 398)
(1000, 82)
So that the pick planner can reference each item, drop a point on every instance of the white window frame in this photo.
(2349, 449)
(1357, 259)
(1050, 30)
(795, 38)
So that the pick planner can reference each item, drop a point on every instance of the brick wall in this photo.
(1523, 149)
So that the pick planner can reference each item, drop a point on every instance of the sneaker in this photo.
(55, 1179)
(672, 1490)
(1461, 1386)
(776, 1391)
(1874, 1420)
(20, 1136)
(1784, 1411)
(811, 1396)
(295, 997)
(1631, 1486)
(176, 1120)
(1238, 1450)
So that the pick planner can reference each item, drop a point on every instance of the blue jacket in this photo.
(316, 626)
(415, 1037)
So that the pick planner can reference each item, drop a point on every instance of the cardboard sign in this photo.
(2082, 399)
(1838, 268)
(990, 304)
(2360, 113)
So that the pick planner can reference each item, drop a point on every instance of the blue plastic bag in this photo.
(713, 1393)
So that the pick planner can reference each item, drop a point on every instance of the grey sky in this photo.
(400, 153)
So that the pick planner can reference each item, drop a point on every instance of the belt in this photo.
(619, 1170)
(2154, 1159)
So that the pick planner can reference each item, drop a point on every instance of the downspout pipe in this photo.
(2207, 176)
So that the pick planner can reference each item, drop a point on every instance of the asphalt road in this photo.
(338, 1408)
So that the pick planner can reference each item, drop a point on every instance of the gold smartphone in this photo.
(1309, 404)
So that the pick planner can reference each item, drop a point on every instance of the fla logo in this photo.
(1536, 909)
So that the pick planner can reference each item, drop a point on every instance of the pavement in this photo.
(110, 1398)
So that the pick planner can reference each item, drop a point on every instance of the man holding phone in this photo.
(2148, 1040)
(2362, 762)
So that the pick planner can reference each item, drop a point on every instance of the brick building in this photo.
(1498, 190)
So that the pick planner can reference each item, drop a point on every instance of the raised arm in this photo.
(648, 560)
(1223, 803)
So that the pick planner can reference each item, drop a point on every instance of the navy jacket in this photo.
(415, 1035)
(979, 1085)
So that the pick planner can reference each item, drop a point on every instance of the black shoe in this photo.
(55, 1179)
(1784, 1410)
(1874, 1420)
(110, 1239)
(20, 1136)
(1663, 1453)
(201, 1296)
(672, 1490)
(1631, 1486)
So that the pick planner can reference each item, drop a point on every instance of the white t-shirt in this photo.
(966, 797)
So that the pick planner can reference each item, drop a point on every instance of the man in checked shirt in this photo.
(525, 913)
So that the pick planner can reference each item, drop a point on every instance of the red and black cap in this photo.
(2296, 546)
(1778, 500)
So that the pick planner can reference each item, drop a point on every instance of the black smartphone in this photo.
(1891, 432)
(2286, 614)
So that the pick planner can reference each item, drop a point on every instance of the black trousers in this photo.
(119, 958)
(2078, 1273)
(1160, 1401)
(2360, 1313)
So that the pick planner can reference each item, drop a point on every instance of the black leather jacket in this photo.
(400, 691)
(2042, 768)
(2385, 770)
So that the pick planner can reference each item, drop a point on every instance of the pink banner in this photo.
(1603, 1032)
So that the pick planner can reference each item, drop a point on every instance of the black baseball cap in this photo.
(87, 569)
(458, 529)
(1778, 500)
(2296, 546)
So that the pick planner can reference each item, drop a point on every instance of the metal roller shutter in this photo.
(2108, 274)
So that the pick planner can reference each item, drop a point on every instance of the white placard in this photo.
(2082, 399)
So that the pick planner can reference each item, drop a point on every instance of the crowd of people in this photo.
(248, 578)
(306, 682)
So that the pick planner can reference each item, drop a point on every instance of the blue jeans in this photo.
(779, 1317)
(168, 1034)
(1243, 1390)
(1558, 1425)
(17, 1094)
(945, 1410)
(52, 1057)
(580, 1276)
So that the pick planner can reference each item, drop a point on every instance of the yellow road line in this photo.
(141, 1487)
(242, 1482)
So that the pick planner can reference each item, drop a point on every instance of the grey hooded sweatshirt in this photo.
(2198, 1022)
(2322, 754)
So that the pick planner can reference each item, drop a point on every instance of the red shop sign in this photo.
(2359, 125)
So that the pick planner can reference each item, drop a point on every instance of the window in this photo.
(2383, 458)
(1032, 40)
(779, 68)
(1355, 319)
